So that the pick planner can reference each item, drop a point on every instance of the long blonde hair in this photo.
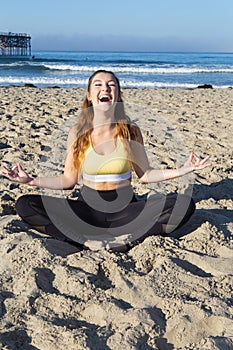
(125, 128)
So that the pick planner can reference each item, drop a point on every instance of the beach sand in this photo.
(166, 293)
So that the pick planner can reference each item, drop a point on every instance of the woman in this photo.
(103, 149)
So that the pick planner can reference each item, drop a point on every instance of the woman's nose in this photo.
(105, 87)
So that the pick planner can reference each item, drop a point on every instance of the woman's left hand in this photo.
(194, 162)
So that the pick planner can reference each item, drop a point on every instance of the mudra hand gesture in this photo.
(16, 174)
(194, 162)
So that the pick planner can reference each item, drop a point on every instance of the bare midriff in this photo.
(106, 186)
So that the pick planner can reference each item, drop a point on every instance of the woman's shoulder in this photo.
(135, 132)
(72, 136)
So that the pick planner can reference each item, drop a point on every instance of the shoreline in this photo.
(168, 292)
(199, 86)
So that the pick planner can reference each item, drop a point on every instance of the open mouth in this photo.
(105, 99)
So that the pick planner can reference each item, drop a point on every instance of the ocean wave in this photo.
(128, 69)
(82, 83)
(42, 81)
(130, 61)
(29, 66)
(135, 70)
(142, 70)
(156, 84)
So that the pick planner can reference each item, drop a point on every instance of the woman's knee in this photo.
(182, 202)
(186, 202)
(23, 206)
(20, 203)
(190, 207)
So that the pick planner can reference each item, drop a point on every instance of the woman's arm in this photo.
(192, 164)
(148, 174)
(65, 181)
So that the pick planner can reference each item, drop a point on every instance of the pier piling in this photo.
(15, 44)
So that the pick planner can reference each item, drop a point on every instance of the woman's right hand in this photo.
(16, 174)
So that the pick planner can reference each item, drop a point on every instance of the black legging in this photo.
(104, 215)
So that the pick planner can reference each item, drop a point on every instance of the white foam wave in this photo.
(75, 82)
(142, 70)
(13, 64)
(42, 81)
(156, 84)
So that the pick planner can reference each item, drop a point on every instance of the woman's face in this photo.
(104, 91)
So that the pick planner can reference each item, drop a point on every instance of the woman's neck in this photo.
(103, 120)
(104, 129)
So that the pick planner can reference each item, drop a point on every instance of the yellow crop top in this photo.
(114, 166)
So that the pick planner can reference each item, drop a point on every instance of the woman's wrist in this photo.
(32, 182)
(184, 170)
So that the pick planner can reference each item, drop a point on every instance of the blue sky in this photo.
(127, 25)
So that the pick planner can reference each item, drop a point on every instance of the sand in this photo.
(166, 293)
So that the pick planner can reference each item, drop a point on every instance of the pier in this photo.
(15, 45)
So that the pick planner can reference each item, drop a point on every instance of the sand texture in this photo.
(166, 293)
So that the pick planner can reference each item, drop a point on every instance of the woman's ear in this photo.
(88, 96)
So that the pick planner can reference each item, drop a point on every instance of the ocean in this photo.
(134, 69)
